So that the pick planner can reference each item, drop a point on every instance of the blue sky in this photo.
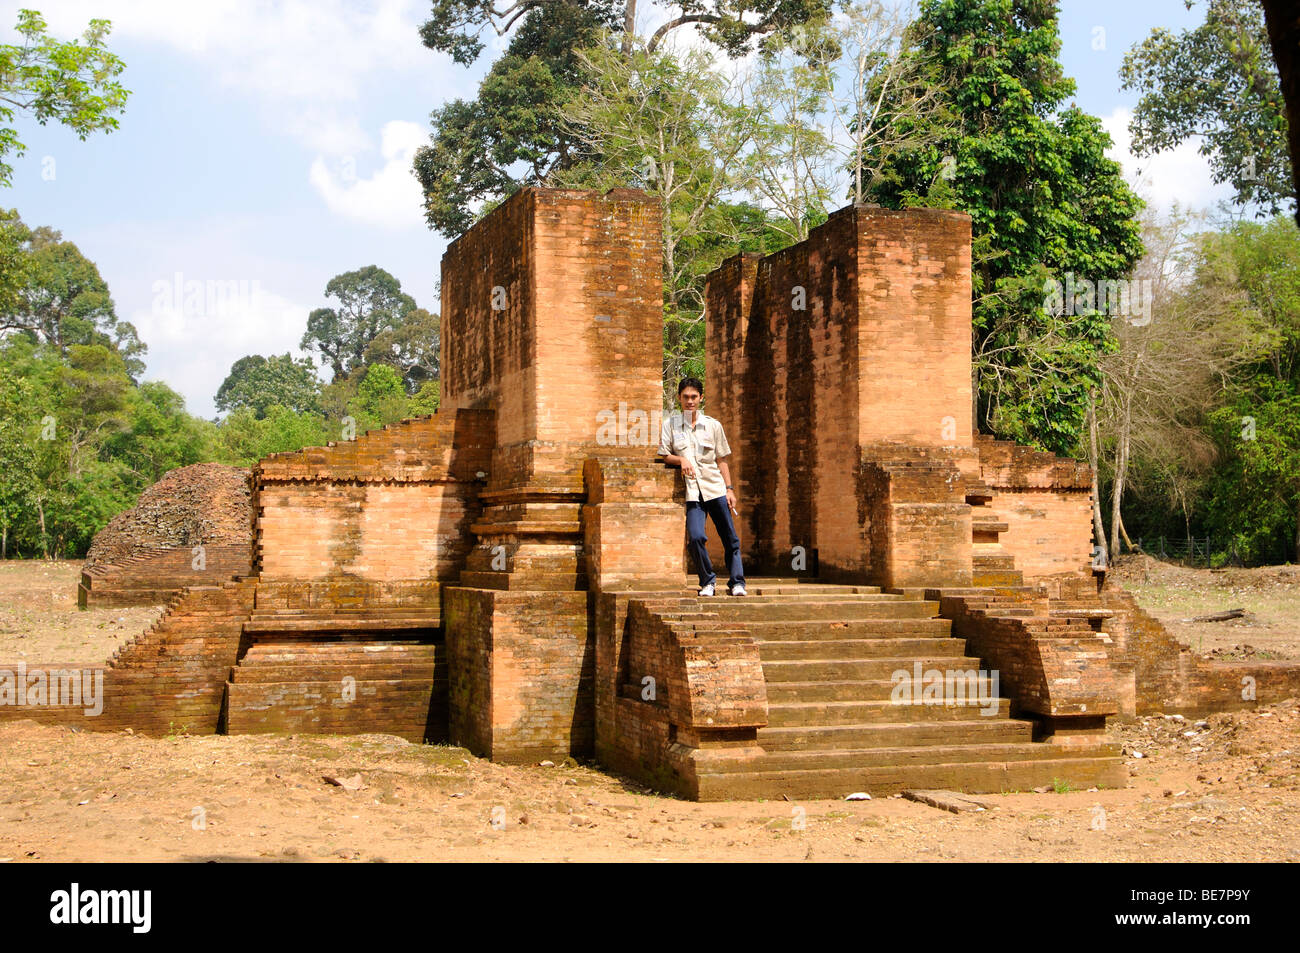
(269, 143)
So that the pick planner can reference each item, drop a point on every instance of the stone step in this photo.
(903, 732)
(733, 610)
(345, 611)
(356, 623)
(928, 628)
(821, 713)
(825, 649)
(996, 578)
(337, 671)
(755, 598)
(332, 653)
(979, 777)
(852, 670)
(802, 588)
(902, 756)
(992, 562)
(870, 689)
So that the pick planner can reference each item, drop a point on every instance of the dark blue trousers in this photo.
(721, 514)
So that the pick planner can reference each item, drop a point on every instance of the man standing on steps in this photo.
(697, 443)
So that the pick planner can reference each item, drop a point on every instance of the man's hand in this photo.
(688, 469)
(731, 502)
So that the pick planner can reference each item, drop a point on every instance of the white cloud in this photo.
(390, 198)
(1180, 175)
(305, 62)
(197, 328)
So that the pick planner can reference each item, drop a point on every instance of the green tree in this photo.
(1216, 82)
(1254, 494)
(370, 302)
(72, 82)
(412, 349)
(17, 457)
(259, 382)
(512, 134)
(670, 124)
(14, 236)
(1045, 201)
(243, 438)
(63, 299)
(381, 398)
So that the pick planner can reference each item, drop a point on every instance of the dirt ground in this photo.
(1223, 789)
(40, 621)
(1173, 594)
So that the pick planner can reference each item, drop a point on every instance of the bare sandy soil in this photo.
(40, 621)
(1224, 789)
(1173, 594)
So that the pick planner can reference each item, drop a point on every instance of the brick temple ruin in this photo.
(509, 574)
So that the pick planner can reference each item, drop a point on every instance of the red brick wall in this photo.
(155, 576)
(581, 331)
(1046, 502)
(522, 671)
(394, 504)
(170, 678)
(878, 354)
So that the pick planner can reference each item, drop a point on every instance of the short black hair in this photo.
(690, 382)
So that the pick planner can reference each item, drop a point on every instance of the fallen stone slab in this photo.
(947, 801)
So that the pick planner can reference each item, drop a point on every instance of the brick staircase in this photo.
(338, 665)
(829, 656)
(154, 575)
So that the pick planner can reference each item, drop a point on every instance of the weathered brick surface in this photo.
(632, 526)
(1046, 502)
(507, 574)
(1165, 675)
(172, 677)
(341, 687)
(553, 317)
(155, 575)
(576, 330)
(671, 701)
(826, 353)
(393, 504)
(522, 669)
(1053, 667)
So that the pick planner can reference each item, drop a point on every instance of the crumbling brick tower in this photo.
(845, 360)
(552, 317)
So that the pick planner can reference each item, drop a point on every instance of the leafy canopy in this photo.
(1217, 81)
(72, 82)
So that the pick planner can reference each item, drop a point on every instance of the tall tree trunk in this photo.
(1117, 490)
(45, 542)
(1098, 526)
(629, 26)
(1124, 532)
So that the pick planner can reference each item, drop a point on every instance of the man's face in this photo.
(689, 398)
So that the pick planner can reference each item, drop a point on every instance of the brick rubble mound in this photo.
(203, 503)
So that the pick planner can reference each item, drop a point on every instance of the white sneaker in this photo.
(738, 591)
(707, 590)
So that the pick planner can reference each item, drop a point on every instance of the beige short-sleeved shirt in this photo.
(704, 444)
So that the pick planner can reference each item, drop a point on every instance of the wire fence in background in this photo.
(1192, 551)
